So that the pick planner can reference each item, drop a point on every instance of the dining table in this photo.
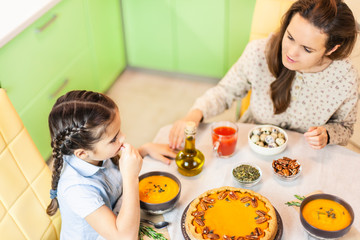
(333, 170)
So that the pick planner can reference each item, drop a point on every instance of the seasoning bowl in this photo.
(150, 192)
(267, 140)
(286, 169)
(247, 174)
(325, 234)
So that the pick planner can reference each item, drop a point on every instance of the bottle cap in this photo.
(190, 127)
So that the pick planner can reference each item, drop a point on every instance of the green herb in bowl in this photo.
(247, 174)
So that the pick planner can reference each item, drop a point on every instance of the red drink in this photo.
(226, 138)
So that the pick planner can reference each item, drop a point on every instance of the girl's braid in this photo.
(60, 145)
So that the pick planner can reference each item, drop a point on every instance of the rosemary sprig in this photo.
(150, 232)
(294, 203)
(299, 197)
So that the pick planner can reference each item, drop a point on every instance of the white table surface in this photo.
(334, 170)
(16, 15)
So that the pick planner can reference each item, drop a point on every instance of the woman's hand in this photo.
(317, 137)
(176, 136)
(157, 151)
(130, 161)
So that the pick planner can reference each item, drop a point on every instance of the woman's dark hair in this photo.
(77, 120)
(334, 18)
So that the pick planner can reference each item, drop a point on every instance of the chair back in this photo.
(25, 182)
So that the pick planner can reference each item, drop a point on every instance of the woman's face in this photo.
(303, 46)
(110, 143)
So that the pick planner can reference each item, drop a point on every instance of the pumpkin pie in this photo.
(231, 213)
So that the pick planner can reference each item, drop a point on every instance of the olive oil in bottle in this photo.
(190, 160)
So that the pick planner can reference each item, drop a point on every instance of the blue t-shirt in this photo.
(82, 189)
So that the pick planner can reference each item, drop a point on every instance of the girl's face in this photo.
(110, 143)
(303, 46)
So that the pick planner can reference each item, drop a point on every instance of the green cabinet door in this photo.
(107, 44)
(150, 33)
(76, 75)
(200, 30)
(34, 57)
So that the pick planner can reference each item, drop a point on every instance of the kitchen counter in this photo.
(16, 15)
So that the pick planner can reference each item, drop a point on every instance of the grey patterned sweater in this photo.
(327, 98)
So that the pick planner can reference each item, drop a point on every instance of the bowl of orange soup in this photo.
(326, 216)
(159, 192)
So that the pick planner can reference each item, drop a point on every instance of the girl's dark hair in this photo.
(77, 120)
(334, 18)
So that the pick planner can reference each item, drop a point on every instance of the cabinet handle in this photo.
(47, 24)
(62, 86)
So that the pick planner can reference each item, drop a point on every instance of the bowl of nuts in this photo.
(286, 169)
(267, 139)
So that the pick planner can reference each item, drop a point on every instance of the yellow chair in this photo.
(24, 182)
(266, 19)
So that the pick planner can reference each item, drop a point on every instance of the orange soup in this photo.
(157, 189)
(326, 215)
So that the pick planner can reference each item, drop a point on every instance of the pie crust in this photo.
(231, 213)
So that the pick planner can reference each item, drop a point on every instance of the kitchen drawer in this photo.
(37, 55)
(35, 116)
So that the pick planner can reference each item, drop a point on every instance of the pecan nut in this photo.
(222, 195)
(258, 231)
(199, 222)
(212, 236)
(261, 220)
(233, 195)
(261, 213)
(208, 200)
(245, 199)
(254, 202)
(251, 237)
(198, 214)
(203, 206)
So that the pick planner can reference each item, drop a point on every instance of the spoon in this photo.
(157, 225)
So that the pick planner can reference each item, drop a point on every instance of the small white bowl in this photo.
(247, 184)
(288, 178)
(267, 150)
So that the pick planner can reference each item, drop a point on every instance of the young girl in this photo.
(300, 77)
(89, 177)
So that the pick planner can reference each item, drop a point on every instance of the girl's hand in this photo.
(130, 161)
(176, 136)
(317, 137)
(157, 151)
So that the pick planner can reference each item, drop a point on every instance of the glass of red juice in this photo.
(224, 138)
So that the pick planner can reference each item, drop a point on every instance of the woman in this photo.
(300, 77)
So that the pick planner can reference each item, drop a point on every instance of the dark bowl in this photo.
(323, 234)
(160, 208)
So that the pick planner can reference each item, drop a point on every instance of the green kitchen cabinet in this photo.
(35, 116)
(150, 33)
(197, 37)
(34, 57)
(200, 37)
(78, 44)
(106, 40)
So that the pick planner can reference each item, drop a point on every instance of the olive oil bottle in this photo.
(190, 160)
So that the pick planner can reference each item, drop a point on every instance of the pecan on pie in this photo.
(231, 213)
